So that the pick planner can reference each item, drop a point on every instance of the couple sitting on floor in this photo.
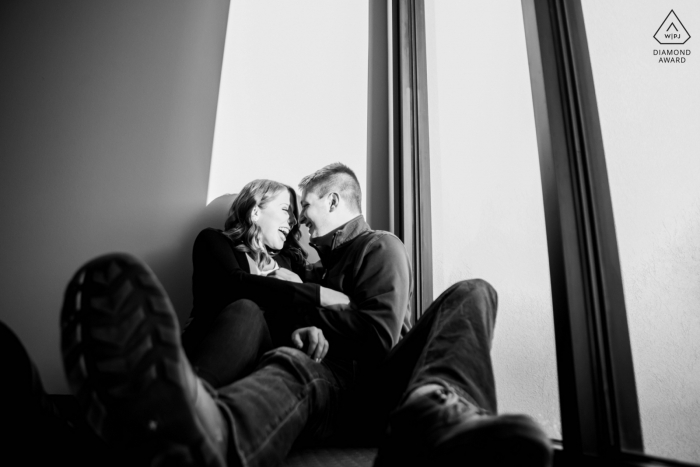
(279, 352)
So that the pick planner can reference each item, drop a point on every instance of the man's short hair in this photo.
(334, 177)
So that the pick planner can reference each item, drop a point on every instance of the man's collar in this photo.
(341, 235)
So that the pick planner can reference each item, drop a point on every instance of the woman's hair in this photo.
(247, 235)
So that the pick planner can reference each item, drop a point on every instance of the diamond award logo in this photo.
(672, 31)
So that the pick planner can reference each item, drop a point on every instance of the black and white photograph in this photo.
(350, 233)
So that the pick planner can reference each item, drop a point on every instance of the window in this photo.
(605, 398)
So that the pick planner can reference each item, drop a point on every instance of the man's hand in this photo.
(316, 343)
(285, 275)
(334, 300)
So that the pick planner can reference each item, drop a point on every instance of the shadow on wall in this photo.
(173, 266)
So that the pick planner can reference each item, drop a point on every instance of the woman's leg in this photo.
(232, 345)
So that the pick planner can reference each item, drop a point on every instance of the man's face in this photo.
(315, 214)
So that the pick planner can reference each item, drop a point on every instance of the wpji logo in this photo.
(672, 31)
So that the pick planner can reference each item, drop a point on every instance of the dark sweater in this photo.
(372, 268)
(221, 276)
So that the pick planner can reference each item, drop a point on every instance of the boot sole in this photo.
(120, 342)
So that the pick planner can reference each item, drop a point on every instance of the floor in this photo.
(325, 456)
(331, 457)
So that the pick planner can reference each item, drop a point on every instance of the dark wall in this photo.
(106, 122)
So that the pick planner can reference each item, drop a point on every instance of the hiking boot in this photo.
(442, 428)
(120, 342)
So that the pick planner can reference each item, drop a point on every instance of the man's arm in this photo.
(380, 300)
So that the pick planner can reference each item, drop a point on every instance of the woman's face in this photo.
(276, 219)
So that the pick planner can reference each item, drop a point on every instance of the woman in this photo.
(246, 287)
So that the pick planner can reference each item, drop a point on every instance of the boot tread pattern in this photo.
(122, 355)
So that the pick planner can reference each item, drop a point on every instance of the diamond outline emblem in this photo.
(674, 19)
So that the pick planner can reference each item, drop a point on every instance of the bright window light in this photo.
(293, 93)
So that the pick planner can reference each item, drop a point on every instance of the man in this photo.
(439, 375)
(433, 384)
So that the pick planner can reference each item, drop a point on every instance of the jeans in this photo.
(450, 343)
(290, 398)
(230, 346)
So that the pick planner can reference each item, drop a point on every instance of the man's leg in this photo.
(441, 378)
(124, 360)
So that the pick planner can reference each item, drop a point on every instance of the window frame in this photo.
(600, 413)
(409, 148)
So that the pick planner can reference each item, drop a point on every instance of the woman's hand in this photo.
(316, 343)
(334, 300)
(285, 275)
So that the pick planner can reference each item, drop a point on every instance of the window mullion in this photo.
(410, 151)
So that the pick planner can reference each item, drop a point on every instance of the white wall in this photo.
(106, 122)
(650, 118)
(293, 92)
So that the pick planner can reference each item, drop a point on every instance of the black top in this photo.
(371, 267)
(221, 276)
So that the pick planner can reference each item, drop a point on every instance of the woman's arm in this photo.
(218, 277)
(328, 298)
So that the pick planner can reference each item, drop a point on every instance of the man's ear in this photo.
(333, 201)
